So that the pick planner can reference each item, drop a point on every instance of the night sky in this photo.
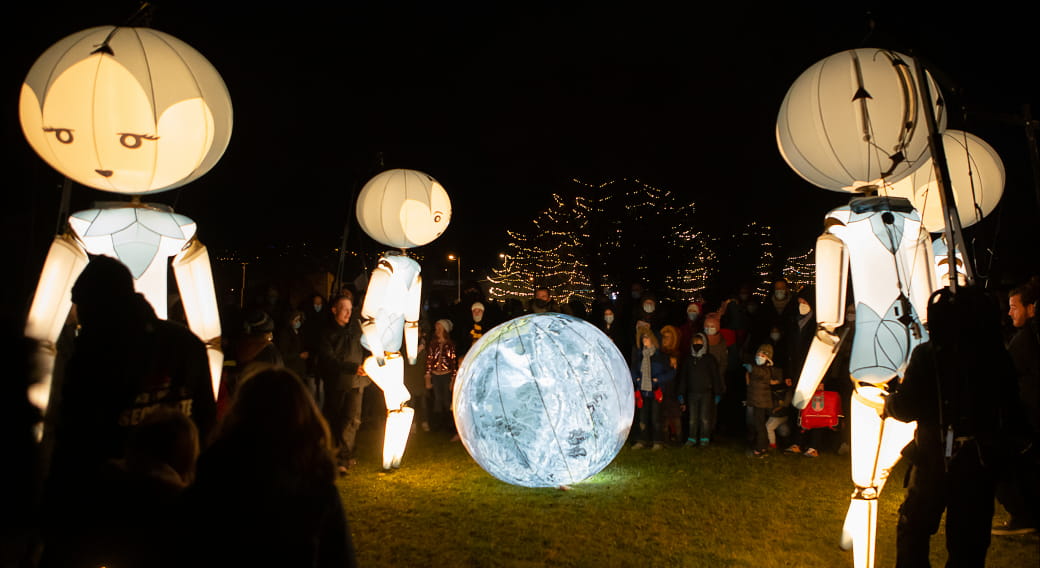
(504, 105)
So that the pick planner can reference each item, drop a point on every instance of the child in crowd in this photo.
(761, 376)
(782, 394)
(700, 388)
(651, 371)
(441, 366)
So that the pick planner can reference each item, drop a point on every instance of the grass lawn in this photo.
(675, 507)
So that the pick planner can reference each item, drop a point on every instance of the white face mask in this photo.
(608, 319)
(780, 294)
(317, 307)
(711, 330)
(804, 309)
(774, 336)
(760, 360)
(648, 308)
(693, 315)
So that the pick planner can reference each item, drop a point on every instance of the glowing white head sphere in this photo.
(854, 118)
(403, 208)
(543, 400)
(128, 110)
(976, 178)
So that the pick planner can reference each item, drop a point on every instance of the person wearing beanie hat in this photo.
(441, 365)
(761, 377)
(256, 343)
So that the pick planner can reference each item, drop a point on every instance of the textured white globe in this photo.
(543, 400)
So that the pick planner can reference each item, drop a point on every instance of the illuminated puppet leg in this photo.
(876, 447)
(50, 308)
(195, 282)
(390, 378)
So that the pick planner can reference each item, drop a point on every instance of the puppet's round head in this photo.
(403, 208)
(976, 178)
(128, 110)
(855, 119)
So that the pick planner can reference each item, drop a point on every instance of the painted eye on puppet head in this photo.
(133, 141)
(63, 135)
(403, 208)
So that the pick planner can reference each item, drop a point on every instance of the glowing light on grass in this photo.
(543, 400)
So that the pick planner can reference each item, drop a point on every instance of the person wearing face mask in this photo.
(651, 371)
(609, 326)
(542, 302)
(289, 341)
(694, 323)
(700, 389)
(761, 377)
(722, 346)
(650, 314)
(315, 316)
(783, 308)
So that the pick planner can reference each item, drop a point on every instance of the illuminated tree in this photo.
(602, 236)
(800, 270)
(550, 254)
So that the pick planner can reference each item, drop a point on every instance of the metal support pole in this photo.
(953, 231)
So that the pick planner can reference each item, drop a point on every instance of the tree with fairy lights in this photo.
(549, 255)
(800, 270)
(606, 236)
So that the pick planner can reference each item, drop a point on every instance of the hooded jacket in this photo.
(699, 373)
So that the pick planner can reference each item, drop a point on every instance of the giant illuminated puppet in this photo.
(403, 209)
(853, 122)
(132, 111)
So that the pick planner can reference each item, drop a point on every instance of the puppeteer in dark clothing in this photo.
(959, 387)
(126, 364)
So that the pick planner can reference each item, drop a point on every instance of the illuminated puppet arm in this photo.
(194, 277)
(373, 318)
(411, 319)
(832, 268)
(51, 304)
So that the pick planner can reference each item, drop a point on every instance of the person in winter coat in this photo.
(651, 371)
(700, 388)
(761, 377)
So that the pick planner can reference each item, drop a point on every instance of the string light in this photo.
(595, 235)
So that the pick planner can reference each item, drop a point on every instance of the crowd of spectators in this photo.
(137, 418)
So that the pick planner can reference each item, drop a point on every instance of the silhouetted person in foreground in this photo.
(265, 493)
(126, 364)
(136, 501)
(19, 477)
(960, 388)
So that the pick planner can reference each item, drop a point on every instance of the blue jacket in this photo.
(660, 368)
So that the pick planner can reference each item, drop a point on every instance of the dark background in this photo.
(505, 104)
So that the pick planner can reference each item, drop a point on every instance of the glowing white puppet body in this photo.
(385, 319)
(881, 241)
(401, 208)
(131, 111)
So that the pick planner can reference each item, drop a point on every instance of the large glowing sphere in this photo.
(403, 208)
(855, 119)
(976, 178)
(543, 400)
(128, 110)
